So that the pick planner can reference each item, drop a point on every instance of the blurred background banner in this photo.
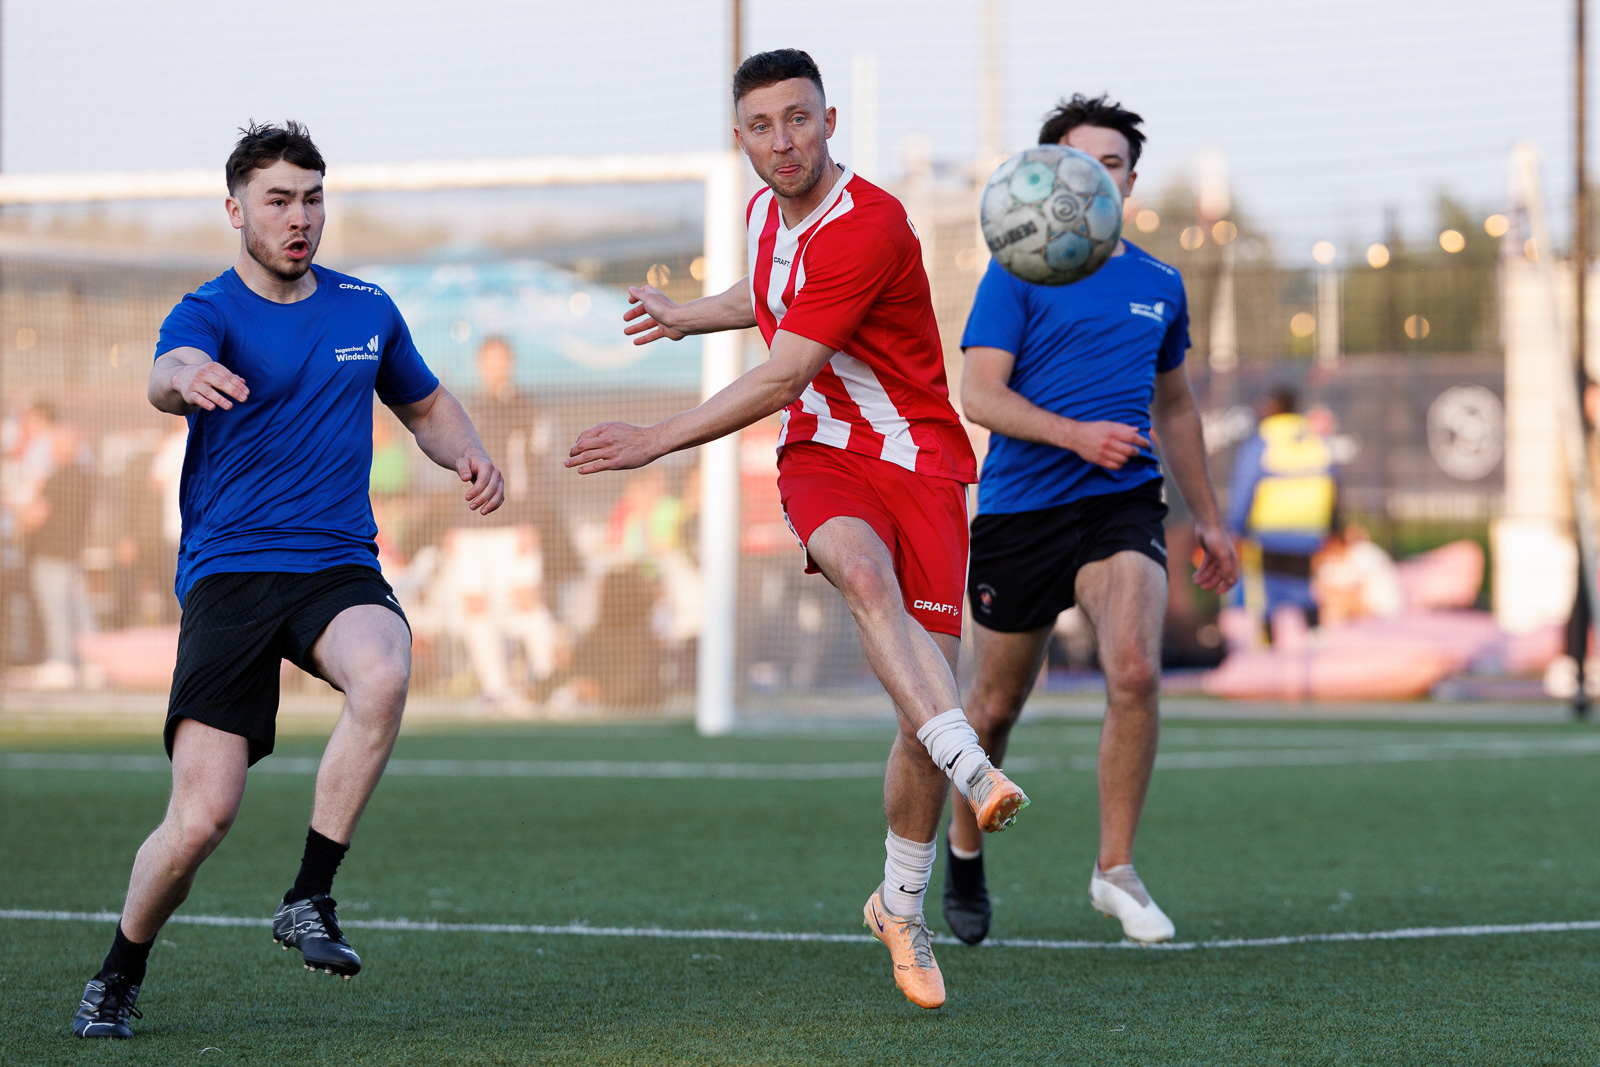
(1335, 185)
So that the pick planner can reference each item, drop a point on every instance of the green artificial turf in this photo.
(1230, 852)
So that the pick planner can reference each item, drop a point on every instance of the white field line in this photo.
(1415, 933)
(1454, 748)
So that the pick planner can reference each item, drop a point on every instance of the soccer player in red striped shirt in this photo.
(873, 462)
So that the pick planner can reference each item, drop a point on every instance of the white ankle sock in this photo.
(963, 854)
(906, 874)
(951, 742)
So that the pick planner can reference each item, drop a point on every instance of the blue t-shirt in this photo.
(1089, 351)
(280, 482)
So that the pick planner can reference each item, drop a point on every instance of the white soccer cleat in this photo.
(1120, 894)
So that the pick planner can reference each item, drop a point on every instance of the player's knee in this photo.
(383, 678)
(200, 829)
(994, 713)
(1133, 675)
(870, 585)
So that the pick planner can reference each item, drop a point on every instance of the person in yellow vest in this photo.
(1282, 495)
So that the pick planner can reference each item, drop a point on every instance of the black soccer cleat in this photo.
(966, 897)
(311, 926)
(107, 1003)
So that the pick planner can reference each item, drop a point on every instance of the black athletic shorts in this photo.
(1024, 564)
(235, 630)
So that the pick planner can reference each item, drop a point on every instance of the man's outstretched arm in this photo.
(446, 435)
(773, 386)
(1177, 423)
(653, 316)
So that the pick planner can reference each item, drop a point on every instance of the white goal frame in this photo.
(721, 362)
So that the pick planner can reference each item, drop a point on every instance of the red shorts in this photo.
(922, 520)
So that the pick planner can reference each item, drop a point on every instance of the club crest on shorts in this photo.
(986, 595)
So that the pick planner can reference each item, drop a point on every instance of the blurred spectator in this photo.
(618, 663)
(1282, 494)
(138, 590)
(57, 526)
(31, 457)
(496, 565)
(1356, 579)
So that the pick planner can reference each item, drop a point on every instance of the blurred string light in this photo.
(1223, 232)
(1377, 256)
(1530, 249)
(1416, 327)
(659, 275)
(1192, 238)
(1496, 225)
(460, 331)
(1324, 252)
(1452, 241)
(1303, 325)
(579, 304)
(1147, 221)
(697, 268)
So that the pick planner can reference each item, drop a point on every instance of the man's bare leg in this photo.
(365, 652)
(1006, 669)
(910, 664)
(208, 776)
(1125, 598)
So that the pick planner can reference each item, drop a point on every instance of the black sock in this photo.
(317, 867)
(126, 958)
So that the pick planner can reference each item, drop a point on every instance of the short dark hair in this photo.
(1285, 398)
(1102, 111)
(770, 68)
(261, 145)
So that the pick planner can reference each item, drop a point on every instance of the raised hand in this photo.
(210, 386)
(1219, 563)
(612, 446)
(651, 316)
(1106, 444)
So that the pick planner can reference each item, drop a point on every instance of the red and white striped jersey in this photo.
(850, 277)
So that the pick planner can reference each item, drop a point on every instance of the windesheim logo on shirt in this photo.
(1157, 311)
(370, 350)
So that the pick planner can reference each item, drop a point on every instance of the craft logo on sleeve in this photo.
(372, 350)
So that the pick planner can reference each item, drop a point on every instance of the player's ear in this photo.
(830, 119)
(1127, 189)
(235, 212)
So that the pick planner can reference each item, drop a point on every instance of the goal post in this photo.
(720, 173)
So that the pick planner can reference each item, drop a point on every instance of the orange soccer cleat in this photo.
(916, 972)
(996, 800)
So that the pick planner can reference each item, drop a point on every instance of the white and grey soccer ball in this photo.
(1051, 215)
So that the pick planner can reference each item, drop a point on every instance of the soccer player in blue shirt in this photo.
(1070, 380)
(274, 364)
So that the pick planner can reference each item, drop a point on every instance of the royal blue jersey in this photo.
(1089, 351)
(280, 482)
